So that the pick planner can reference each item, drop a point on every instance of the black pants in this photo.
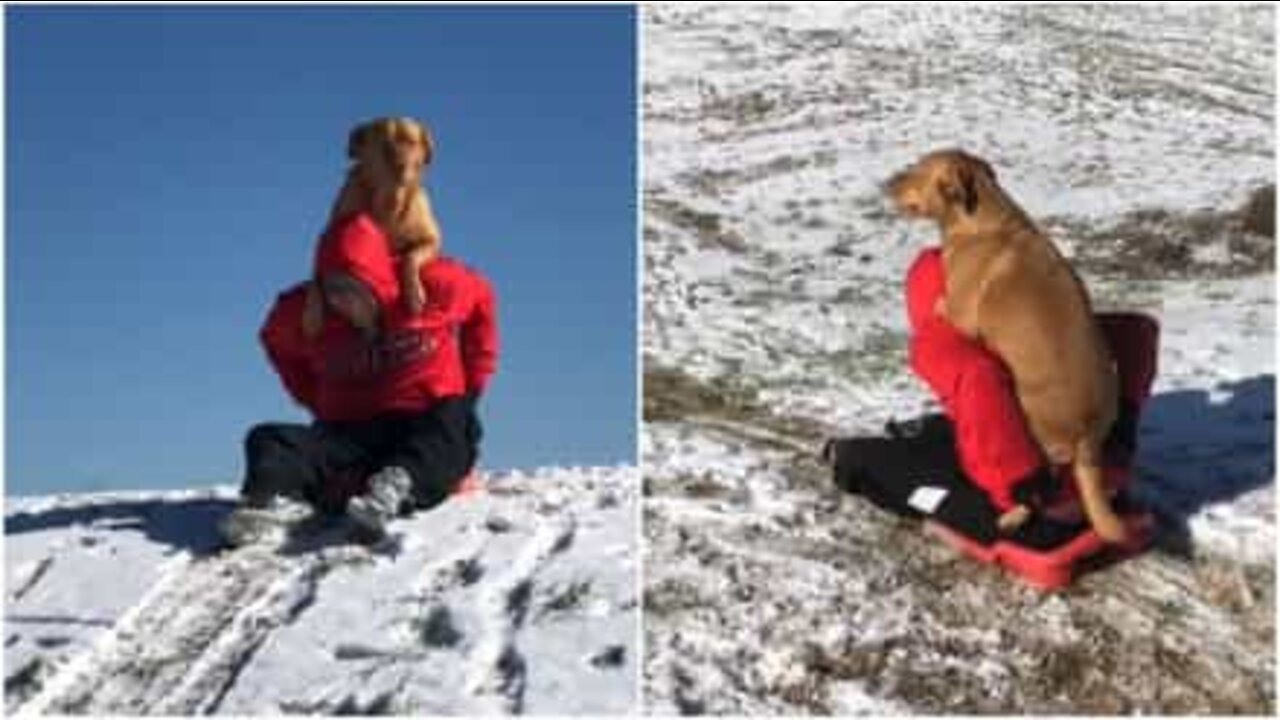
(327, 463)
(913, 471)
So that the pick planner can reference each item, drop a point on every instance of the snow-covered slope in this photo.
(1138, 136)
(519, 599)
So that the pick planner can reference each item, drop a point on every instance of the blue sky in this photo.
(168, 169)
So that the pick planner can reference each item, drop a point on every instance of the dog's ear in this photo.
(986, 168)
(958, 186)
(982, 166)
(356, 140)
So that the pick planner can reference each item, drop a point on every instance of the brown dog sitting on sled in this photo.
(388, 157)
(1010, 288)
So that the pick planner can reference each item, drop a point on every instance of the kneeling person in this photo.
(393, 393)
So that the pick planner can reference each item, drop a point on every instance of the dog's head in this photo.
(940, 185)
(391, 151)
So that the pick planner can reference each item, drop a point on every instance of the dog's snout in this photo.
(893, 185)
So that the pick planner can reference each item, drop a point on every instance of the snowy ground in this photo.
(519, 599)
(772, 317)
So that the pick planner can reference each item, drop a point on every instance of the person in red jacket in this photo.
(393, 393)
(975, 462)
(993, 444)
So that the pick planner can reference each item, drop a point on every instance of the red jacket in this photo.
(448, 349)
(994, 445)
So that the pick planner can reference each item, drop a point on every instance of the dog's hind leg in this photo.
(1093, 495)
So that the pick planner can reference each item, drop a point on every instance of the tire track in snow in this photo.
(181, 647)
(496, 668)
(29, 576)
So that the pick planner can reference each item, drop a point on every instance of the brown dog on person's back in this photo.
(388, 156)
(1007, 286)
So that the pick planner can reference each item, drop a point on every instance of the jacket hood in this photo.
(356, 247)
(925, 284)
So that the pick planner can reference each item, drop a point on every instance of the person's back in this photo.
(448, 349)
(393, 391)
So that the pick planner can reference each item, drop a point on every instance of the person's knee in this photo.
(264, 439)
(261, 460)
(272, 447)
(259, 438)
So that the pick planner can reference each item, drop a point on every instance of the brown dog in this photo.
(1007, 286)
(388, 157)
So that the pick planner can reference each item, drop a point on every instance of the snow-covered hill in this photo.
(518, 599)
(1142, 138)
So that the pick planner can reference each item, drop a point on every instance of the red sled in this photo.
(1133, 338)
(470, 484)
(1056, 567)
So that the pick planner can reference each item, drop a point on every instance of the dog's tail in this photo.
(1087, 470)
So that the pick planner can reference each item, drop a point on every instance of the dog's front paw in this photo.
(1112, 530)
(415, 297)
(1013, 518)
